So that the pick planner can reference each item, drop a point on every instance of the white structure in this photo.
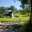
(11, 13)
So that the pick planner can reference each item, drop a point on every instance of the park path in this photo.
(3, 29)
(12, 23)
(6, 30)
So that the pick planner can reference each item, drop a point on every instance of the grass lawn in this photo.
(21, 17)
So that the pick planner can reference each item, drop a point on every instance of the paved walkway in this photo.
(6, 30)
(12, 23)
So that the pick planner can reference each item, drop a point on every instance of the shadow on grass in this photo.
(29, 26)
(18, 28)
(24, 16)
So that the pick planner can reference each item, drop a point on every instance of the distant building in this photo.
(8, 13)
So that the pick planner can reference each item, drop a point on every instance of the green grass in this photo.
(20, 17)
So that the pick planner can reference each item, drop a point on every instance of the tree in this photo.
(21, 11)
(2, 10)
(23, 3)
(27, 9)
(13, 9)
(8, 8)
(27, 2)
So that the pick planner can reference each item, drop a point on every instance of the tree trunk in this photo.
(29, 25)
(31, 11)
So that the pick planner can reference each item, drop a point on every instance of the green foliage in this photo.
(2, 10)
(19, 28)
(20, 17)
(27, 10)
(12, 8)
(23, 2)
(8, 8)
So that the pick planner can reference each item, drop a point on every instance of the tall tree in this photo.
(2, 9)
(27, 2)
(13, 9)
(27, 9)
(8, 8)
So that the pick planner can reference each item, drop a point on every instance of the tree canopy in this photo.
(23, 2)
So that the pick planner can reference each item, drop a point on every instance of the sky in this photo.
(8, 3)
